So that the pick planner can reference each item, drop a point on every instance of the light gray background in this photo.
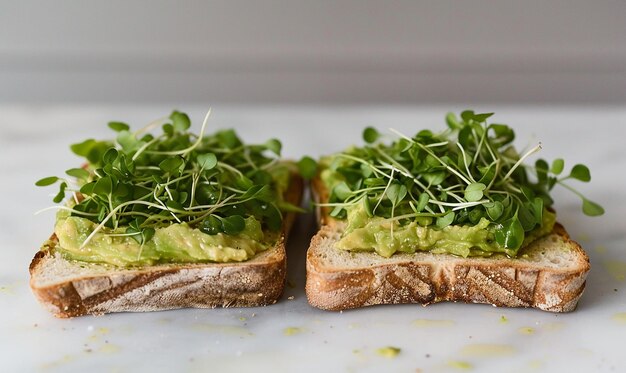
(312, 52)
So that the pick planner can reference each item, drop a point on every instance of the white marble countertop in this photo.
(439, 338)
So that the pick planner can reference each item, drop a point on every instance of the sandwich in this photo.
(457, 215)
(168, 220)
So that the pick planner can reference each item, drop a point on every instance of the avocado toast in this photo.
(166, 221)
(449, 216)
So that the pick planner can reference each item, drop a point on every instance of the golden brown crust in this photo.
(254, 283)
(257, 282)
(430, 278)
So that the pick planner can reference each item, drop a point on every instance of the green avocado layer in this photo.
(176, 243)
(386, 237)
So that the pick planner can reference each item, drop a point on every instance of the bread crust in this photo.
(426, 278)
(256, 282)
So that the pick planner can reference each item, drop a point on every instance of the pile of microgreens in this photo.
(142, 181)
(466, 173)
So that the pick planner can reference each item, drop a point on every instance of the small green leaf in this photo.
(244, 182)
(422, 202)
(180, 121)
(557, 166)
(147, 234)
(445, 220)
(103, 186)
(494, 210)
(467, 115)
(127, 141)
(511, 234)
(526, 217)
(342, 191)
(207, 161)
(83, 148)
(118, 126)
(542, 170)
(434, 178)
(233, 224)
(537, 209)
(47, 181)
(452, 121)
(370, 181)
(307, 167)
(262, 191)
(274, 219)
(168, 129)
(474, 192)
(396, 193)
(79, 173)
(61, 195)
(109, 156)
(504, 134)
(211, 225)
(580, 172)
(228, 138)
(591, 208)
(274, 146)
(464, 136)
(488, 173)
(482, 117)
(370, 135)
(87, 189)
(476, 214)
(174, 205)
(172, 165)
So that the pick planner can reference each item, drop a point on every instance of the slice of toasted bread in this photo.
(72, 288)
(549, 274)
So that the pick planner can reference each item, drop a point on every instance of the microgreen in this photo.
(307, 167)
(466, 173)
(144, 181)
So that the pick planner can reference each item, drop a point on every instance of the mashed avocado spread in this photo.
(176, 243)
(377, 234)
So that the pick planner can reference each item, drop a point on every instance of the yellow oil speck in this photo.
(554, 326)
(356, 352)
(601, 249)
(93, 338)
(222, 329)
(242, 318)
(57, 363)
(109, 348)
(6, 289)
(425, 323)
(292, 331)
(620, 317)
(526, 330)
(487, 350)
(460, 365)
(503, 319)
(354, 326)
(389, 352)
(617, 269)
(103, 331)
(535, 364)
